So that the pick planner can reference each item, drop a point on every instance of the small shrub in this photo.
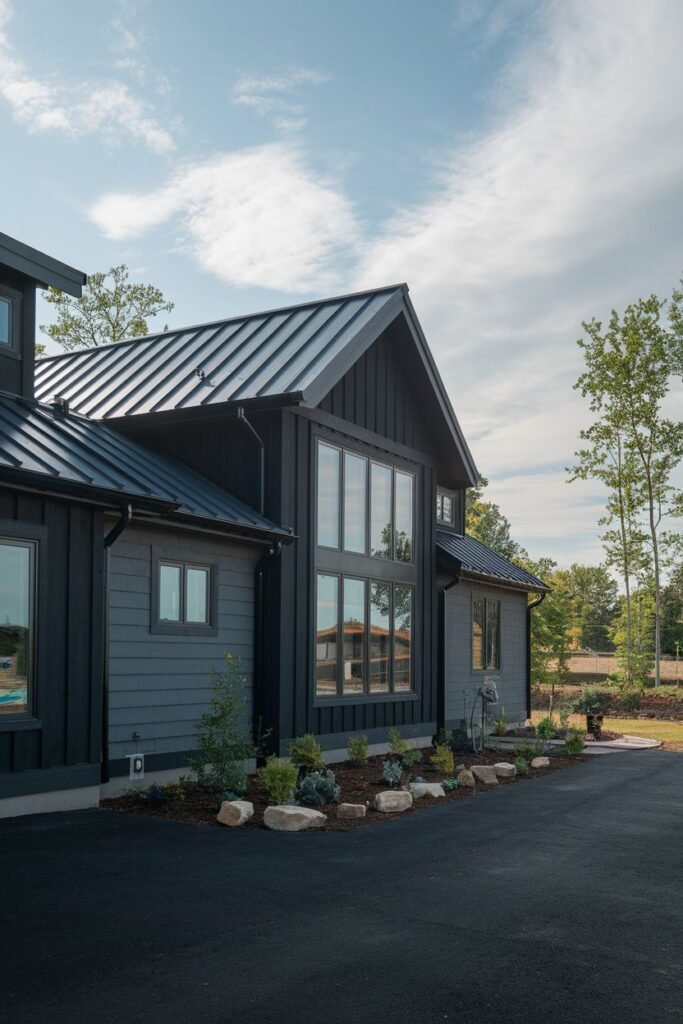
(305, 752)
(592, 702)
(151, 795)
(500, 728)
(278, 778)
(528, 751)
(357, 749)
(397, 745)
(175, 790)
(224, 743)
(522, 765)
(565, 712)
(545, 729)
(317, 789)
(392, 772)
(411, 756)
(228, 795)
(575, 742)
(442, 760)
(631, 701)
(450, 784)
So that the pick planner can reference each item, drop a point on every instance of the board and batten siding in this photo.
(510, 679)
(160, 684)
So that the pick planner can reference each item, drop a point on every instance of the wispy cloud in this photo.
(273, 95)
(107, 108)
(254, 217)
(130, 46)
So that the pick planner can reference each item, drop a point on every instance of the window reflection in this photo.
(355, 498)
(478, 634)
(169, 592)
(16, 586)
(492, 634)
(354, 635)
(403, 517)
(328, 495)
(380, 511)
(403, 636)
(196, 595)
(327, 636)
(380, 637)
(5, 310)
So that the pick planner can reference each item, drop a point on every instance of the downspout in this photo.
(259, 633)
(116, 531)
(532, 604)
(441, 661)
(261, 459)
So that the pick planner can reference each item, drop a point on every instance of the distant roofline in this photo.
(45, 270)
(402, 286)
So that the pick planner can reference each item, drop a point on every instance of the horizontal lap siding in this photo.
(160, 685)
(511, 679)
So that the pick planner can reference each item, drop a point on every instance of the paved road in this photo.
(552, 902)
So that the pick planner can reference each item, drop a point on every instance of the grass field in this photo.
(671, 732)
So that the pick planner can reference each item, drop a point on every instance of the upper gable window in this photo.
(445, 508)
(5, 321)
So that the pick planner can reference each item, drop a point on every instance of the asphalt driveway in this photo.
(549, 902)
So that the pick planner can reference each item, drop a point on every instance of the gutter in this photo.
(530, 605)
(259, 685)
(114, 533)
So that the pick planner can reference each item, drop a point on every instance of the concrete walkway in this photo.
(555, 901)
(592, 747)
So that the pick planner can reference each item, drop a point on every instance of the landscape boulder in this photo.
(391, 801)
(292, 819)
(466, 778)
(235, 812)
(540, 762)
(420, 789)
(485, 773)
(351, 811)
(504, 770)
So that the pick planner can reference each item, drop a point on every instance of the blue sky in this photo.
(518, 163)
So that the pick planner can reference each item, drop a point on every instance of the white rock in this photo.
(351, 811)
(293, 819)
(420, 789)
(393, 800)
(504, 770)
(540, 762)
(235, 812)
(466, 778)
(484, 773)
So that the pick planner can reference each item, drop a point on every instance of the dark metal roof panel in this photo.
(264, 356)
(75, 452)
(44, 270)
(477, 559)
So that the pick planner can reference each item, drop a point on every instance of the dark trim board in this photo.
(120, 766)
(42, 269)
(338, 740)
(48, 780)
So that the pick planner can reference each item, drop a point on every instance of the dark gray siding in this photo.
(159, 685)
(511, 680)
(62, 749)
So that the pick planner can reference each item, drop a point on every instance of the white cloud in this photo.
(253, 217)
(107, 108)
(130, 45)
(265, 95)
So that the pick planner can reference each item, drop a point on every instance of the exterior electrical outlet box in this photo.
(136, 768)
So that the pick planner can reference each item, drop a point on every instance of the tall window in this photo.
(485, 634)
(17, 626)
(10, 307)
(5, 321)
(375, 623)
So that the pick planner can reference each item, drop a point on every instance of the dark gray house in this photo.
(314, 475)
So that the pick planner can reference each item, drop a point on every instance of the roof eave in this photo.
(503, 583)
(46, 271)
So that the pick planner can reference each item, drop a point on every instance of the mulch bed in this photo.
(358, 785)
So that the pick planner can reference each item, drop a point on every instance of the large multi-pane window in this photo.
(485, 634)
(375, 622)
(17, 624)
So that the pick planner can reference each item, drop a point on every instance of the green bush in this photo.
(592, 702)
(305, 752)
(318, 789)
(522, 765)
(575, 742)
(392, 772)
(565, 712)
(411, 756)
(631, 701)
(397, 745)
(357, 749)
(442, 760)
(545, 729)
(528, 751)
(224, 744)
(450, 784)
(500, 728)
(278, 778)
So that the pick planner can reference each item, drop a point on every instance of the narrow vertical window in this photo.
(17, 573)
(329, 465)
(5, 322)
(170, 583)
(403, 638)
(355, 502)
(196, 595)
(478, 633)
(380, 637)
(403, 517)
(327, 635)
(493, 634)
(381, 541)
(354, 636)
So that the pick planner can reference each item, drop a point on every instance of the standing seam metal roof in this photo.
(477, 559)
(73, 452)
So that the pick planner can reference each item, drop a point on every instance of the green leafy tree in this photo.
(485, 522)
(595, 605)
(672, 612)
(551, 630)
(630, 368)
(640, 657)
(111, 309)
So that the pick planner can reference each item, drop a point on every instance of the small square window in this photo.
(184, 597)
